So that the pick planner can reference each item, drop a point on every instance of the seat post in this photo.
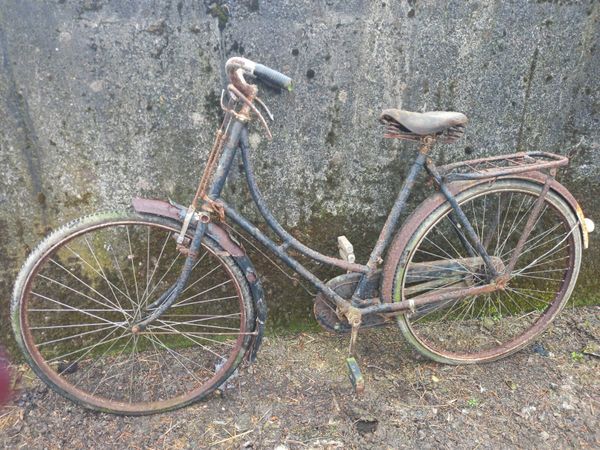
(427, 143)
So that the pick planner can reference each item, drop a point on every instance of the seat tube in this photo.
(391, 222)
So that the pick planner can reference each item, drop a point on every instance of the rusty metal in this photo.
(501, 166)
(265, 107)
(430, 280)
(157, 207)
(531, 220)
(211, 205)
(249, 103)
(354, 317)
(224, 240)
(390, 224)
(448, 136)
(453, 134)
(394, 256)
(325, 311)
(385, 235)
(100, 402)
(474, 239)
(244, 92)
(362, 305)
(440, 296)
(186, 251)
(288, 239)
(343, 305)
(423, 271)
(212, 158)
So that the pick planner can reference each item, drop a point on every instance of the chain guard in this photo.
(325, 310)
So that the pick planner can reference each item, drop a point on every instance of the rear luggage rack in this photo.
(503, 165)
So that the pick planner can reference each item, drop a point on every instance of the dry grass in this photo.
(298, 395)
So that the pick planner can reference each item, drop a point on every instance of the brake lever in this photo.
(232, 89)
(262, 104)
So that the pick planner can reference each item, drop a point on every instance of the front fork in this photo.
(169, 297)
(218, 182)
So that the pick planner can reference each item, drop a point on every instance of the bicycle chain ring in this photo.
(325, 310)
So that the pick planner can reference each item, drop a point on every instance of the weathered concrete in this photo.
(102, 100)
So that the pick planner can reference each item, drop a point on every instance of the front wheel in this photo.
(79, 293)
(434, 256)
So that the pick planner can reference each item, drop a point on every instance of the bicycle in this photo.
(151, 309)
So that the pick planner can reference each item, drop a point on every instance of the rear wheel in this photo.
(79, 293)
(437, 258)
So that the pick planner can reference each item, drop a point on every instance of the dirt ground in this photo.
(297, 396)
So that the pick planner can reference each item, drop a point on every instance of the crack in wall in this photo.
(27, 140)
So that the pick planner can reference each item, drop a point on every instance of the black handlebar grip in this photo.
(273, 77)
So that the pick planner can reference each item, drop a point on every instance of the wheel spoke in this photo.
(110, 306)
(487, 326)
(95, 279)
(131, 258)
(66, 338)
(182, 302)
(96, 271)
(102, 272)
(72, 308)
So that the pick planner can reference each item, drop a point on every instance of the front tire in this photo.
(83, 287)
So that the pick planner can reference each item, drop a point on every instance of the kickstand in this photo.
(356, 378)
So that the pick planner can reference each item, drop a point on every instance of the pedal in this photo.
(346, 249)
(356, 378)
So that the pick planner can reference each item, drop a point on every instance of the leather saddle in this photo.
(401, 124)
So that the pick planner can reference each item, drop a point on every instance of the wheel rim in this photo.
(486, 327)
(103, 278)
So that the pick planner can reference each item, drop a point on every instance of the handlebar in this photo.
(264, 73)
(273, 77)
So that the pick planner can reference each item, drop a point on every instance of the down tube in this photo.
(288, 260)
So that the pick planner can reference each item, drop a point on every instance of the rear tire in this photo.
(486, 327)
(83, 287)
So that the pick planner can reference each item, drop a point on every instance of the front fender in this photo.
(221, 237)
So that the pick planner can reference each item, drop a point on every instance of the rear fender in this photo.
(221, 237)
(456, 187)
(540, 178)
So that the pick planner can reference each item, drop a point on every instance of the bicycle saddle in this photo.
(412, 125)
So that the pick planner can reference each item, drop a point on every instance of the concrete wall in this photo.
(102, 100)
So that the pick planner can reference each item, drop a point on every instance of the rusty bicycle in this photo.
(151, 309)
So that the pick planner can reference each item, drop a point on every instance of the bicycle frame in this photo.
(214, 338)
(385, 236)
(359, 304)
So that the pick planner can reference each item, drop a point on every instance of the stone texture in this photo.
(102, 100)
